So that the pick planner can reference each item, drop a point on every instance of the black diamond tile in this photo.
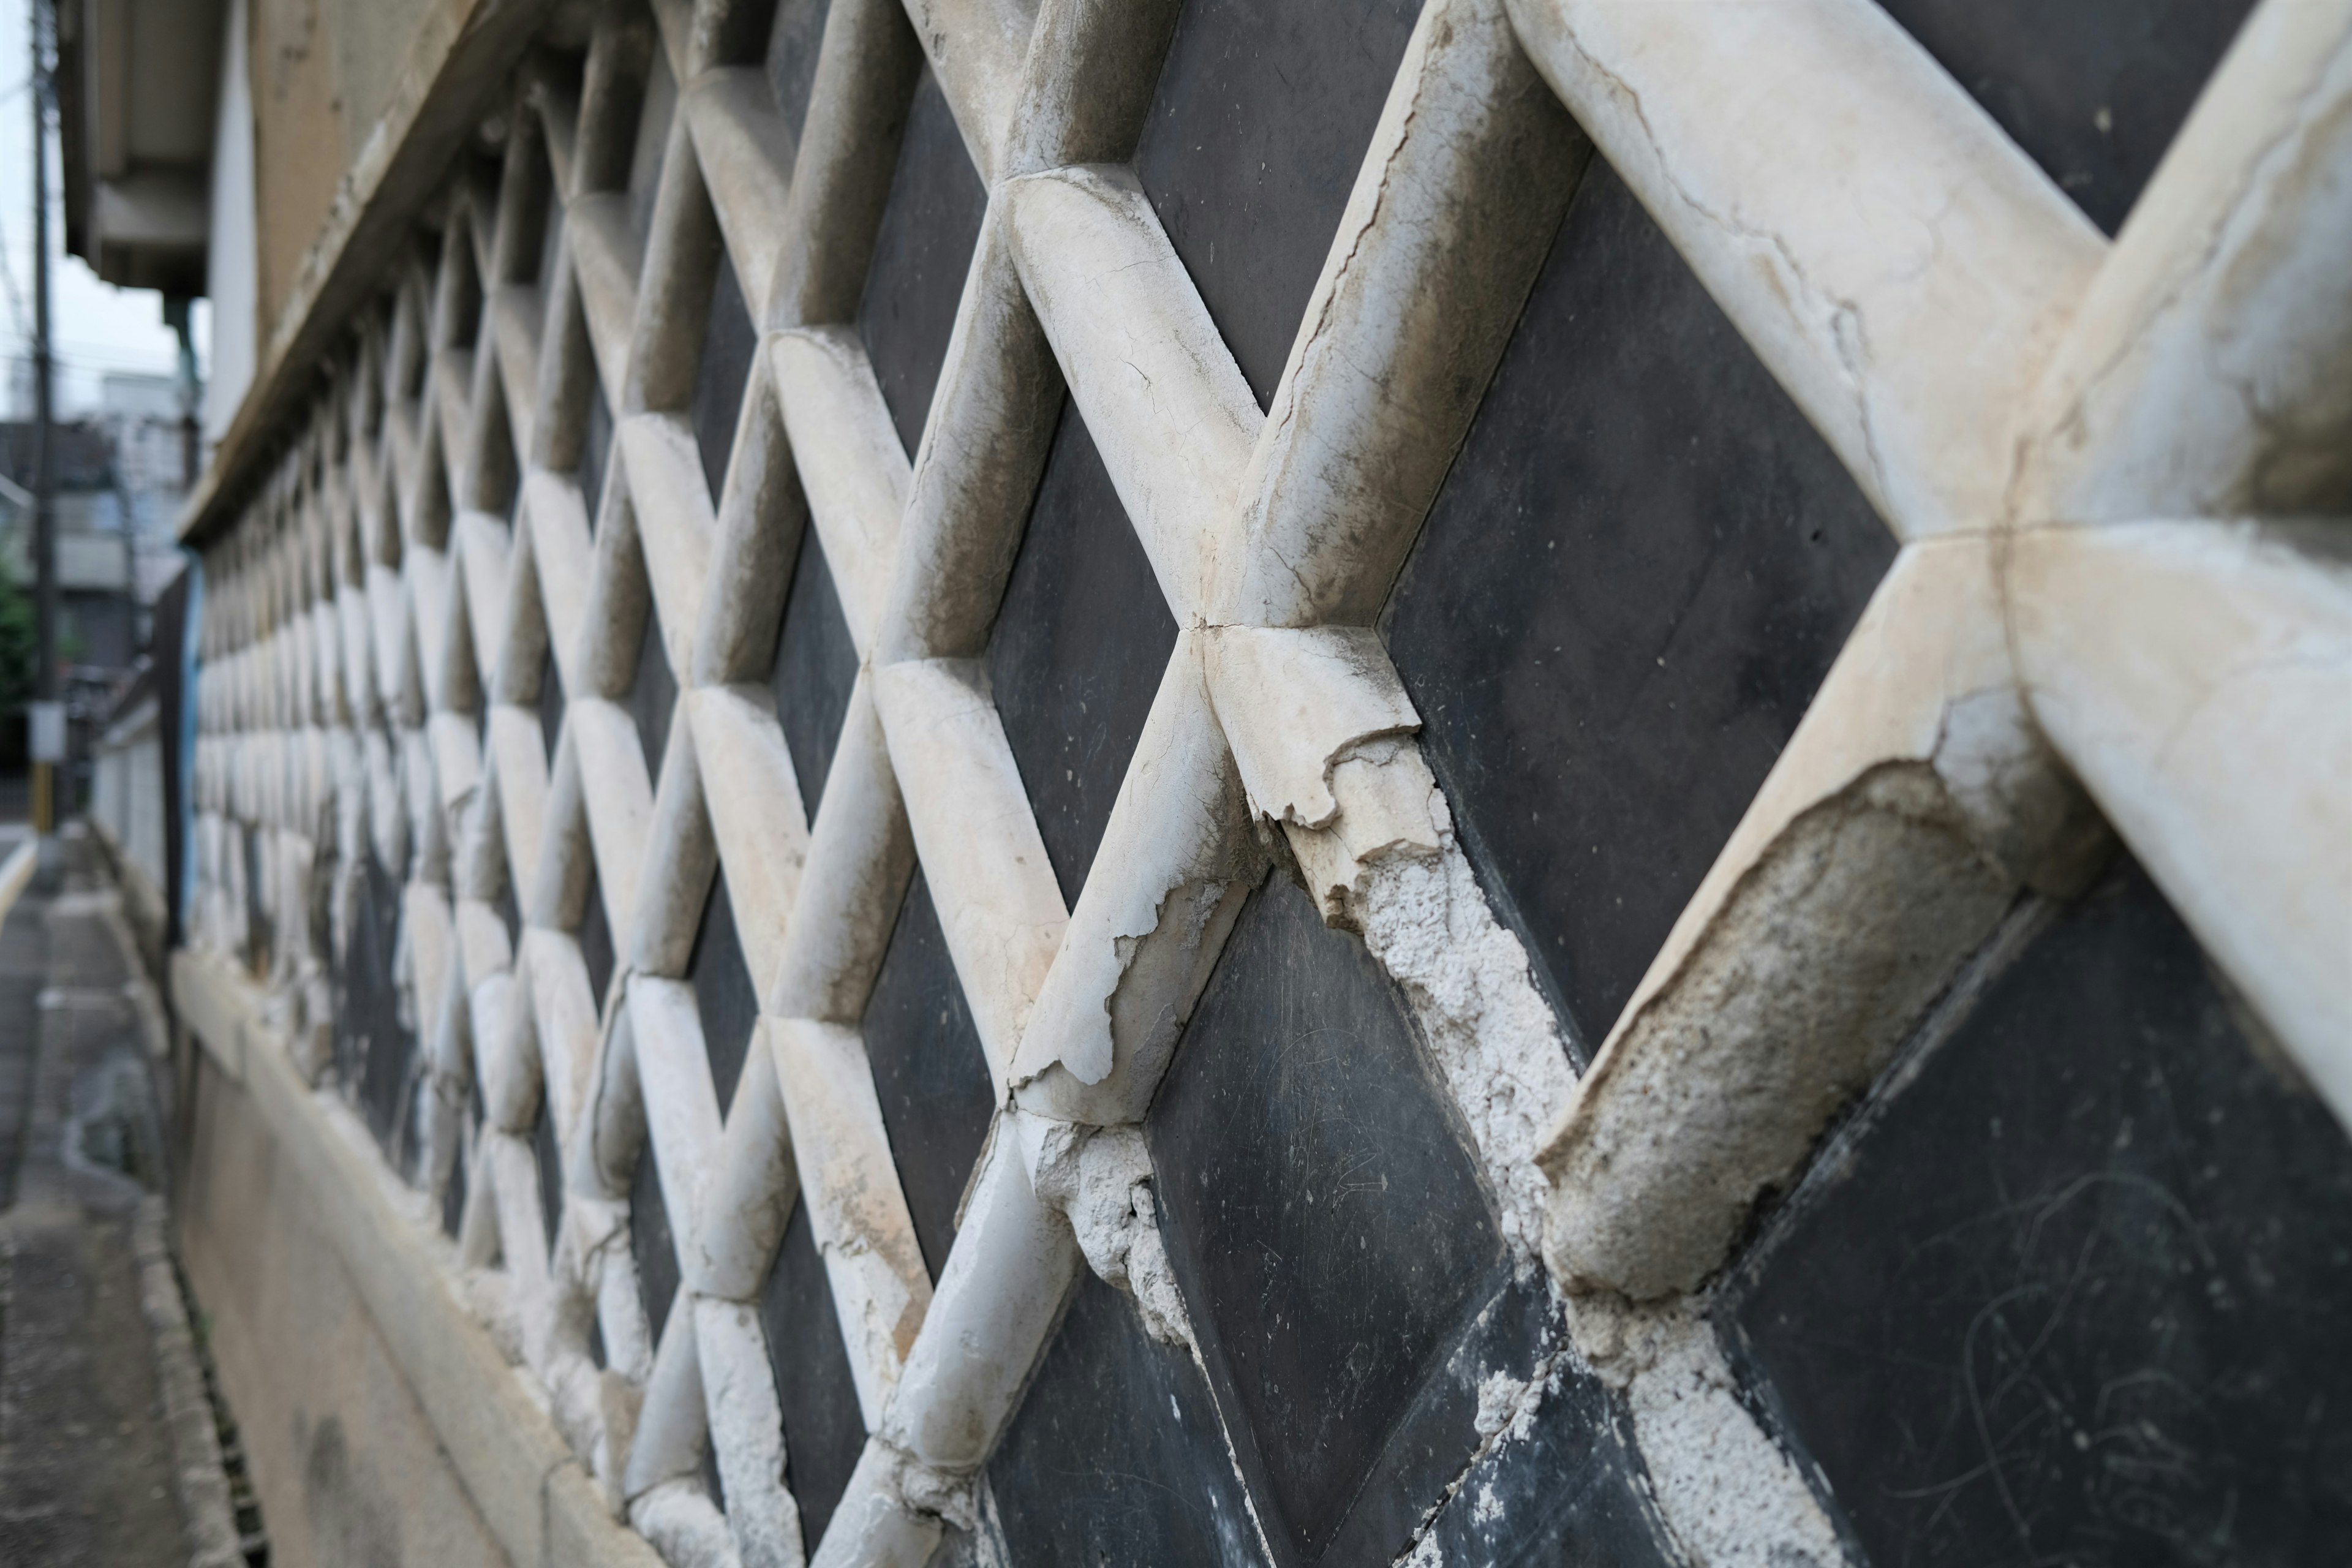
(1639, 570)
(550, 703)
(724, 996)
(824, 1429)
(374, 1048)
(1262, 113)
(453, 1195)
(712, 1482)
(550, 1161)
(1515, 1325)
(550, 237)
(651, 1243)
(596, 450)
(2073, 1289)
(596, 940)
(728, 342)
(1324, 1219)
(2092, 89)
(509, 916)
(1114, 1454)
(258, 938)
(814, 671)
(652, 144)
(792, 44)
(929, 1072)
(1078, 652)
(1571, 1491)
(653, 698)
(920, 255)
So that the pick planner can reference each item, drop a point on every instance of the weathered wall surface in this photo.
(322, 73)
(1327, 783)
(381, 1426)
(350, 1471)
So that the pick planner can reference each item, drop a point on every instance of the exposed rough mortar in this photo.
(746, 1432)
(575, 1399)
(1101, 1178)
(1426, 919)
(1831, 946)
(573, 1384)
(919, 1489)
(490, 1295)
(619, 1401)
(678, 1518)
(1499, 1399)
(1731, 1496)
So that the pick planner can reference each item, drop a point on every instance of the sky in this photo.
(94, 327)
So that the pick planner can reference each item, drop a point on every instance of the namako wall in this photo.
(1354, 784)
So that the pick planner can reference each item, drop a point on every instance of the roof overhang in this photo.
(137, 88)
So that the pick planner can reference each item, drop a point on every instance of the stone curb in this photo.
(203, 1482)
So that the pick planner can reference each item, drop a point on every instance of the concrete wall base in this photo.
(381, 1426)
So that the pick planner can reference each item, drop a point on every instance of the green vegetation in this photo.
(17, 649)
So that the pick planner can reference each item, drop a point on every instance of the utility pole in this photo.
(46, 719)
(176, 317)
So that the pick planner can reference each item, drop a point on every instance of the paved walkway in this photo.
(88, 1474)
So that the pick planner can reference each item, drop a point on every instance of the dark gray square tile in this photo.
(259, 938)
(597, 940)
(548, 1159)
(729, 343)
(651, 1245)
(2071, 1285)
(725, 997)
(929, 1072)
(550, 239)
(1262, 113)
(2092, 89)
(824, 1429)
(814, 672)
(596, 450)
(1078, 652)
(509, 915)
(453, 1194)
(793, 41)
(550, 703)
(374, 1048)
(1324, 1219)
(712, 1483)
(920, 255)
(1115, 1453)
(1515, 1325)
(1572, 1492)
(652, 144)
(1637, 576)
(653, 698)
